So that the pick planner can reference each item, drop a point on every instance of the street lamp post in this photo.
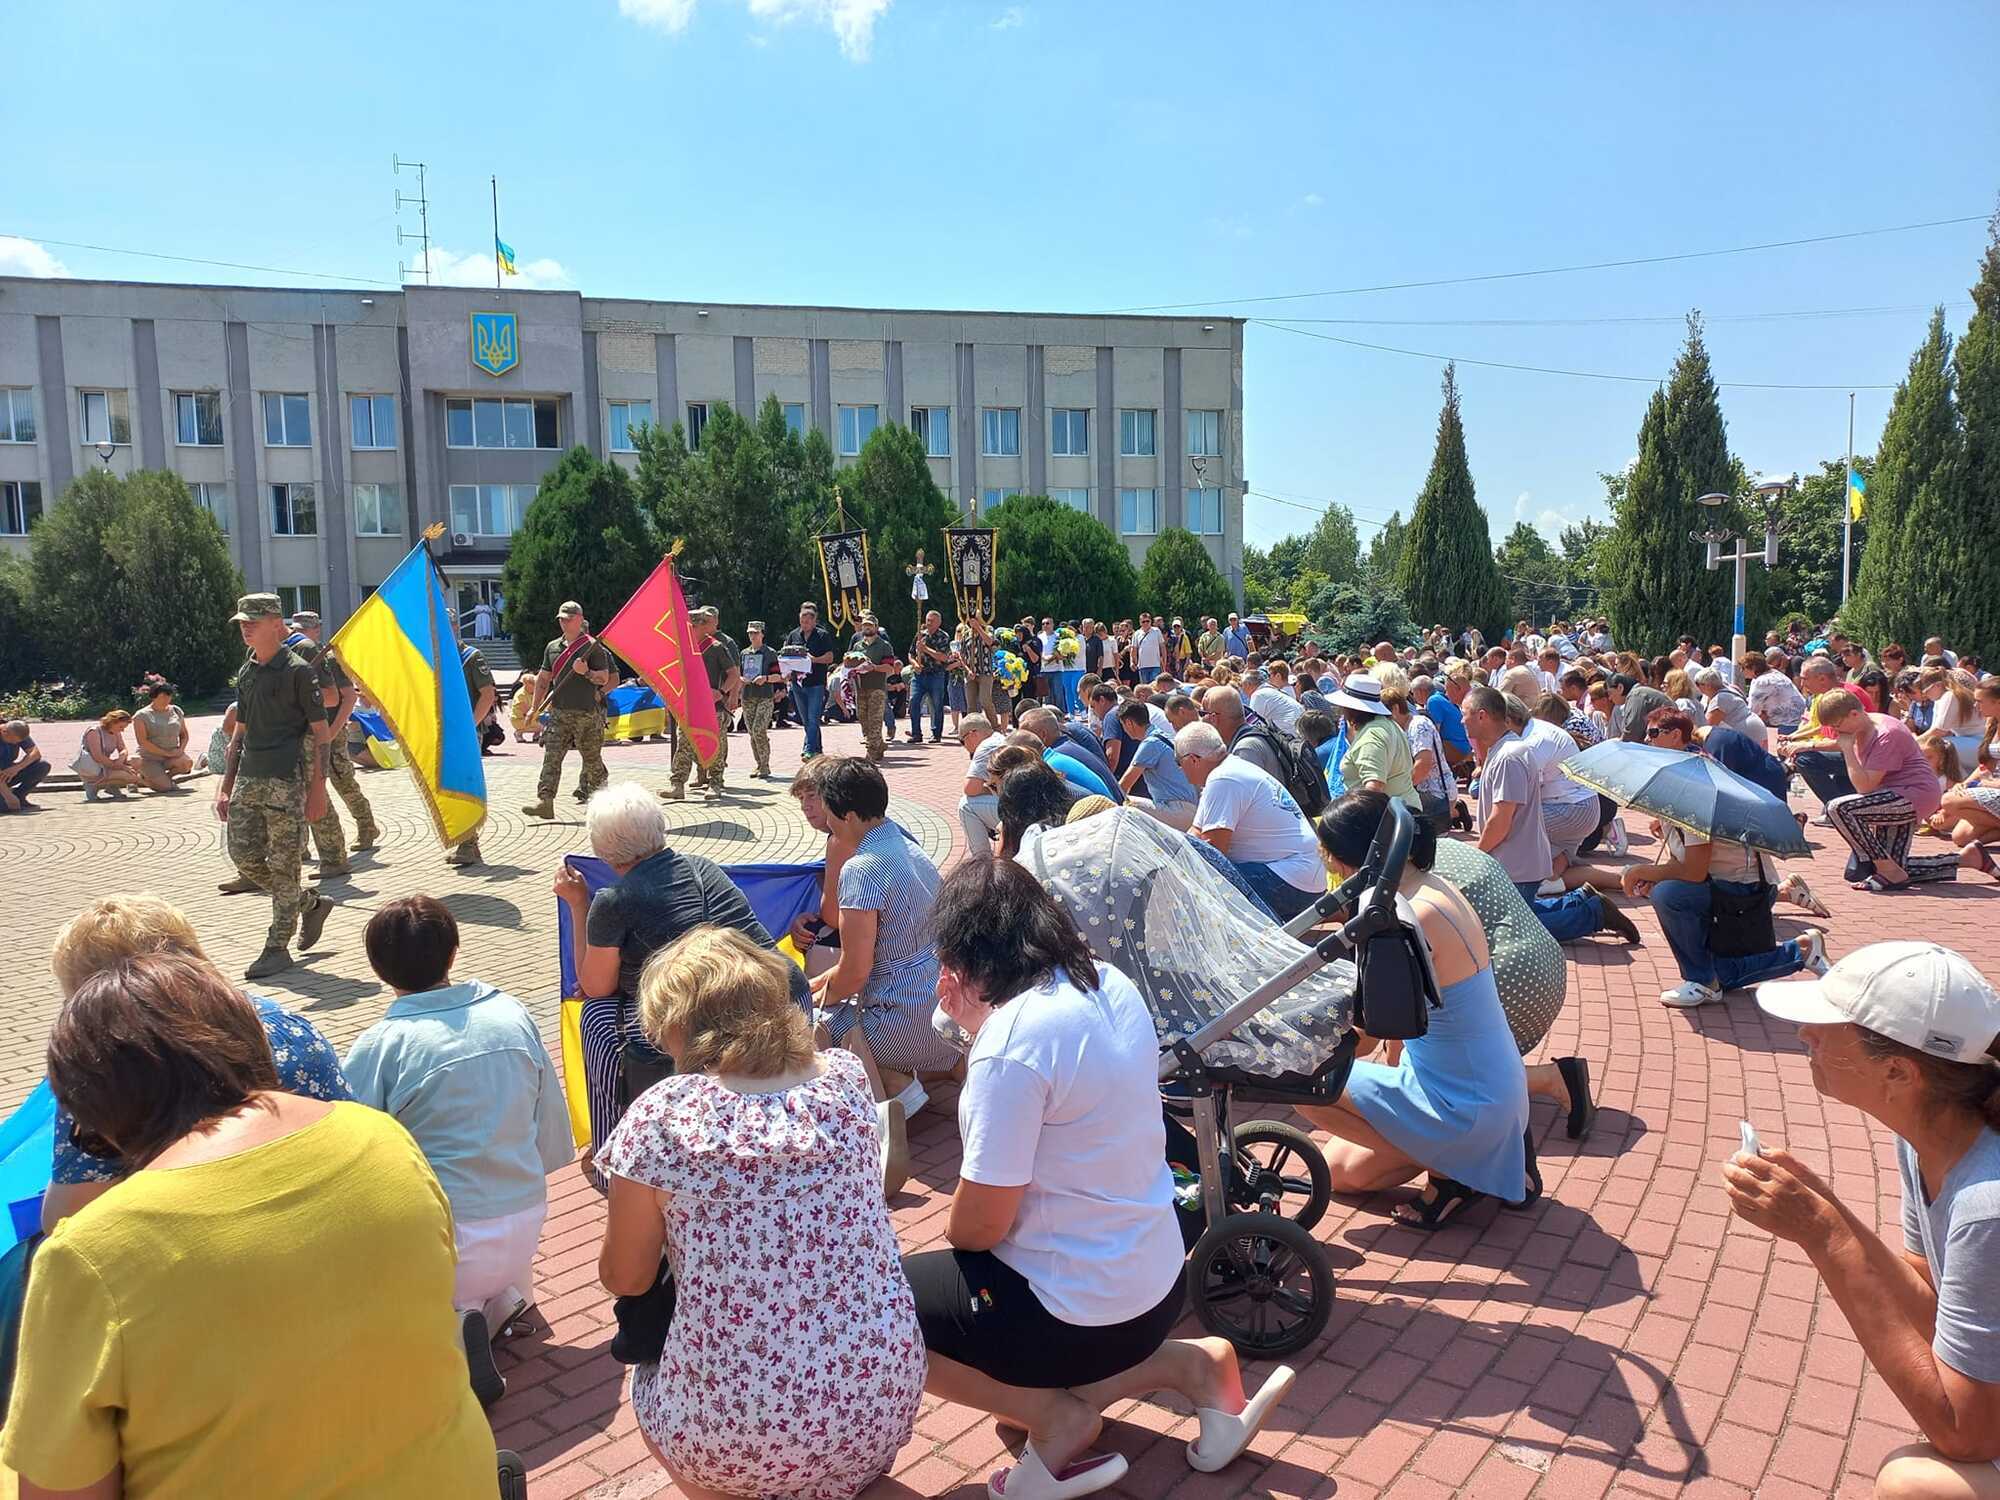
(104, 451)
(1768, 491)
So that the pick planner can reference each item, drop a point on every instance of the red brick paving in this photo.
(1626, 1337)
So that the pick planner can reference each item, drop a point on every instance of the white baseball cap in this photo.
(1920, 994)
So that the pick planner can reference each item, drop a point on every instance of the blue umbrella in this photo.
(1698, 793)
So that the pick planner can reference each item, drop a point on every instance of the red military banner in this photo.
(654, 634)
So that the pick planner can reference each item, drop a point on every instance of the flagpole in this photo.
(496, 231)
(1847, 508)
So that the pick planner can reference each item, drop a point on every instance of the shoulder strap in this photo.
(569, 653)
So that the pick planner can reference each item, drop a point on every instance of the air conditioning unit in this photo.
(460, 539)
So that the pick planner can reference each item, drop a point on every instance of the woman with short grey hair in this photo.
(659, 895)
(1723, 705)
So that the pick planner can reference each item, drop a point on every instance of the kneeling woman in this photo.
(1064, 1277)
(1456, 1105)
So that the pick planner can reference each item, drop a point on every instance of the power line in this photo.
(1595, 265)
(1497, 364)
(196, 260)
(1706, 317)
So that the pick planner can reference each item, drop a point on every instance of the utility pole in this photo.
(423, 203)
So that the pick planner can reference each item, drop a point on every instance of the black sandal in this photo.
(1449, 1198)
(1534, 1172)
(1582, 1108)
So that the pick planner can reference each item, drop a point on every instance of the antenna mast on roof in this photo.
(423, 234)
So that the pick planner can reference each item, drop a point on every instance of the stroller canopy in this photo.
(1150, 906)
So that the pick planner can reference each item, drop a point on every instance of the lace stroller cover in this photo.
(1152, 907)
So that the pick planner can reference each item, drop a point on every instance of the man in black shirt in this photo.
(274, 780)
(816, 642)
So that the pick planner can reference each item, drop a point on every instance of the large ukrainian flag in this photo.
(400, 650)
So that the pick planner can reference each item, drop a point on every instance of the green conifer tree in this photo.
(1447, 573)
(1968, 609)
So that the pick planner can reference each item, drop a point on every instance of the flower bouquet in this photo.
(1010, 671)
(1069, 647)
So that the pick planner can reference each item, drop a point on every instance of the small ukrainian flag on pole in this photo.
(504, 254)
(1857, 494)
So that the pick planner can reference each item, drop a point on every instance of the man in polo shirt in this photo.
(1148, 649)
(1153, 781)
(274, 779)
(1236, 640)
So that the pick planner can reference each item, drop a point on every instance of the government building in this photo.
(325, 429)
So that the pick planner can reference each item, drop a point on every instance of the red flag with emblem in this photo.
(654, 634)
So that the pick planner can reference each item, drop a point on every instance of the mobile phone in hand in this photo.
(1751, 1145)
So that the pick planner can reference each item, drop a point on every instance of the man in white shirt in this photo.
(979, 807)
(1049, 661)
(1148, 647)
(1251, 819)
(1548, 669)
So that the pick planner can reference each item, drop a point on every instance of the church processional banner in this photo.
(969, 550)
(843, 562)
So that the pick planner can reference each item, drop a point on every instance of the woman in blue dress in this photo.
(1455, 1105)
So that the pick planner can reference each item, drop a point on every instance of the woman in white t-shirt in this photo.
(1064, 1277)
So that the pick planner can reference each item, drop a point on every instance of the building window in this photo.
(795, 417)
(697, 424)
(489, 510)
(293, 511)
(856, 423)
(1205, 512)
(1204, 434)
(378, 510)
(213, 498)
(991, 498)
(372, 420)
(17, 416)
(1000, 431)
(287, 421)
(496, 423)
(1135, 433)
(299, 597)
(198, 419)
(106, 418)
(20, 506)
(932, 425)
(1138, 511)
(1075, 499)
(626, 418)
(1069, 432)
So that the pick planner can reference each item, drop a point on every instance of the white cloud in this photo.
(1311, 200)
(851, 21)
(1012, 16)
(1521, 502)
(1550, 523)
(449, 268)
(19, 257)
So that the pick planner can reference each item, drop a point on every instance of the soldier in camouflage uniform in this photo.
(480, 688)
(271, 787)
(761, 679)
(871, 685)
(719, 658)
(337, 691)
(571, 695)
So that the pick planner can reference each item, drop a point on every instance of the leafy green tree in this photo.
(1534, 576)
(1807, 579)
(583, 538)
(889, 491)
(21, 660)
(1658, 584)
(1352, 616)
(1447, 573)
(1968, 608)
(130, 576)
(1333, 546)
(1054, 560)
(1181, 580)
(1385, 551)
(1895, 592)
(1583, 550)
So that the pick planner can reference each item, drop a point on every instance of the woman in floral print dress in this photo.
(794, 1365)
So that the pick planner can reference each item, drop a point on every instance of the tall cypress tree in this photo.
(1968, 609)
(1894, 594)
(1447, 573)
(1659, 585)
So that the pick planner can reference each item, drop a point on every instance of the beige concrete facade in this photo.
(392, 421)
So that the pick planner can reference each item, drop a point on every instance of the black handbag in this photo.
(1739, 922)
(640, 1064)
(643, 1321)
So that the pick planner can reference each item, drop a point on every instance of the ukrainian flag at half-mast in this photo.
(504, 253)
(1857, 495)
(400, 650)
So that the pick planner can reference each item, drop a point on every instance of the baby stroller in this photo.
(1246, 1015)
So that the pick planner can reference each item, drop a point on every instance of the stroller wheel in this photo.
(1261, 1282)
(1280, 1171)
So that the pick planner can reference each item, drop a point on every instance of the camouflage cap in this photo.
(306, 619)
(706, 612)
(567, 608)
(756, 625)
(257, 607)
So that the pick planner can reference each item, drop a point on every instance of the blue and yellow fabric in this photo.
(27, 1150)
(375, 734)
(633, 711)
(400, 647)
(778, 894)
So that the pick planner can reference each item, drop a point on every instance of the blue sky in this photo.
(1095, 156)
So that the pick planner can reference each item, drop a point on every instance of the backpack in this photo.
(1298, 768)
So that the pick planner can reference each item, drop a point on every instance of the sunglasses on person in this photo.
(1657, 731)
(90, 1144)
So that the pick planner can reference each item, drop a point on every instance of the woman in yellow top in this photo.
(264, 1305)
(1378, 752)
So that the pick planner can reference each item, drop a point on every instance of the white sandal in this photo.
(1224, 1435)
(1030, 1478)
